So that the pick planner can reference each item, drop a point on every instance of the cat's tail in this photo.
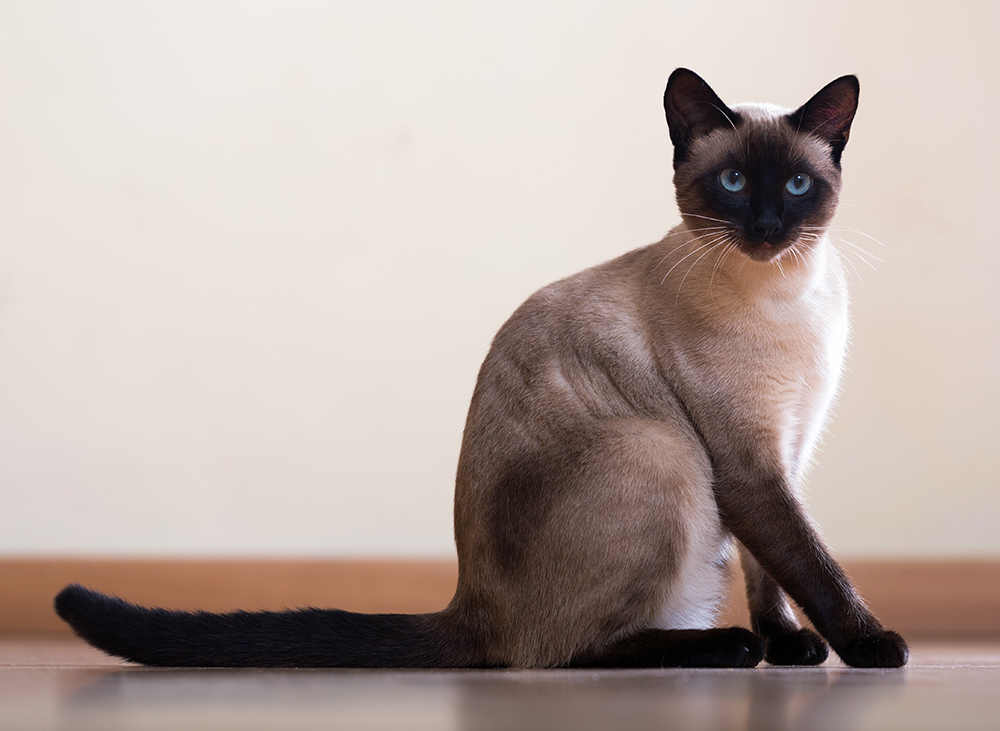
(295, 638)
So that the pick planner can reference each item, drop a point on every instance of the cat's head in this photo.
(768, 177)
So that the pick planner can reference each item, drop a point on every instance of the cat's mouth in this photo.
(765, 248)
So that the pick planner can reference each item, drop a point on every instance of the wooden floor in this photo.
(59, 683)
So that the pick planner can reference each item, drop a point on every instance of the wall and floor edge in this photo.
(951, 597)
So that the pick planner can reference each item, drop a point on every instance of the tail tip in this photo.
(73, 601)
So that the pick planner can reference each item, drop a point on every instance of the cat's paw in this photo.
(801, 647)
(736, 647)
(883, 649)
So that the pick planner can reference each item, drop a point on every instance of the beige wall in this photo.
(251, 255)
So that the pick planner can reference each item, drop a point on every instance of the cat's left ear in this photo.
(828, 115)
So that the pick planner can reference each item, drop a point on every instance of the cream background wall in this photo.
(252, 254)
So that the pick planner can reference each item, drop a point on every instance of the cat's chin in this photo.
(764, 251)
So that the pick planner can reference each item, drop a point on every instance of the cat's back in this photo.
(580, 347)
(592, 316)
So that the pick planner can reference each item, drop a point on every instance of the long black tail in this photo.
(299, 638)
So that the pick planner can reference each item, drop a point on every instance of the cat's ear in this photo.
(693, 110)
(828, 115)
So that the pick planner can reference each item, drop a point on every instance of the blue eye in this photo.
(732, 180)
(799, 184)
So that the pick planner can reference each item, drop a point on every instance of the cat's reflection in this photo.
(783, 702)
(764, 699)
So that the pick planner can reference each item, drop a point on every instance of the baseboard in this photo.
(916, 597)
(27, 586)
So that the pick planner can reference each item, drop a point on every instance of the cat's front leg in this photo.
(772, 618)
(760, 509)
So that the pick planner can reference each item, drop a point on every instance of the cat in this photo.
(630, 424)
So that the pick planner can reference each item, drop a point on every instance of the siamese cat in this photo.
(630, 425)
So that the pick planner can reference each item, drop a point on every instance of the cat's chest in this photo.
(772, 369)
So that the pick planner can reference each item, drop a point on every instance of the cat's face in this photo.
(755, 175)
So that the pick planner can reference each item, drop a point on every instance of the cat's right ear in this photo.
(693, 110)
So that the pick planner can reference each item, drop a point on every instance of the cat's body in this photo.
(627, 424)
(623, 453)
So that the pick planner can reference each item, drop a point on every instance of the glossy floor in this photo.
(59, 683)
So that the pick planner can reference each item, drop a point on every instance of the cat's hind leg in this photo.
(596, 541)
(727, 647)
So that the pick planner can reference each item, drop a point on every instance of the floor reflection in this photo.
(56, 685)
(766, 698)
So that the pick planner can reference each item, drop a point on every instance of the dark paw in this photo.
(884, 649)
(801, 647)
(734, 647)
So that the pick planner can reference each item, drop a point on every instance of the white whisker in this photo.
(860, 257)
(707, 218)
(685, 230)
(680, 287)
(854, 246)
(849, 229)
(712, 231)
(846, 229)
(844, 257)
(729, 248)
(862, 254)
(689, 254)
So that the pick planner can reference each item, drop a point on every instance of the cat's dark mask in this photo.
(767, 177)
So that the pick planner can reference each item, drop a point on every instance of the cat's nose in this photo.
(767, 225)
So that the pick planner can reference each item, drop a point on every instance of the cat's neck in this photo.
(701, 273)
